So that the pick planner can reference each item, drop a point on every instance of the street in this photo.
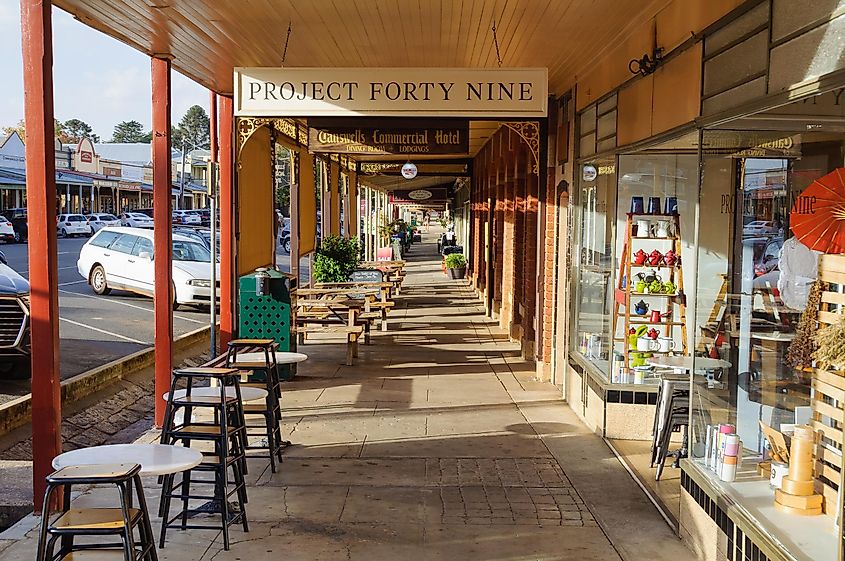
(94, 329)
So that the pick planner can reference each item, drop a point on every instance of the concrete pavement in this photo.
(437, 445)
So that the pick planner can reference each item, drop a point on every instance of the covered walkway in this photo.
(437, 444)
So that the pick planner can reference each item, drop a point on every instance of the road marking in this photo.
(92, 328)
(72, 282)
(128, 305)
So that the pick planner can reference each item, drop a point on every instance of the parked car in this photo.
(100, 221)
(68, 225)
(186, 217)
(20, 228)
(123, 258)
(14, 321)
(284, 236)
(7, 231)
(758, 228)
(136, 220)
(204, 214)
(147, 211)
(12, 213)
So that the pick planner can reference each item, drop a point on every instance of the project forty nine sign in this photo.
(391, 92)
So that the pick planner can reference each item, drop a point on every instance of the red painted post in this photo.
(36, 35)
(227, 224)
(163, 235)
(212, 126)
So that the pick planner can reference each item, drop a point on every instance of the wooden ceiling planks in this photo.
(208, 37)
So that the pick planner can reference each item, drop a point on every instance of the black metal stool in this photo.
(271, 411)
(225, 431)
(671, 415)
(76, 522)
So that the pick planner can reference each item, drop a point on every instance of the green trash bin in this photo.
(267, 316)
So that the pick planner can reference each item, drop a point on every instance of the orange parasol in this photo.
(818, 215)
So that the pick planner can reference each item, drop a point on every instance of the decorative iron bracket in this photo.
(529, 131)
(246, 127)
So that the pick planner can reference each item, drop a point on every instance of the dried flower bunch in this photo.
(800, 354)
(831, 346)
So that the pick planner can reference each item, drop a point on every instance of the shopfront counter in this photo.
(738, 521)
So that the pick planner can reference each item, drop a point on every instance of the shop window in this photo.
(594, 290)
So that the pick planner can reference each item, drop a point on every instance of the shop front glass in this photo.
(594, 289)
(635, 230)
(755, 280)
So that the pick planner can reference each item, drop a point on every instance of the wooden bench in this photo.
(353, 333)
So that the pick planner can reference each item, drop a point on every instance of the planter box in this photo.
(457, 273)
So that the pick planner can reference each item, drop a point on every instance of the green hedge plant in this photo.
(336, 258)
(456, 261)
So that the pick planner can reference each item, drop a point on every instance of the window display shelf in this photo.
(657, 294)
(647, 266)
(650, 238)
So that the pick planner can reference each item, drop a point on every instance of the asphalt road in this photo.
(94, 329)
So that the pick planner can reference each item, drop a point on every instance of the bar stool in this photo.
(671, 415)
(271, 411)
(225, 431)
(121, 521)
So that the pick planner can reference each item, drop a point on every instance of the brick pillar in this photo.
(549, 274)
(508, 237)
(499, 226)
(517, 327)
(529, 256)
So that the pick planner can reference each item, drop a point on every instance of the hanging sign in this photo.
(428, 196)
(409, 171)
(393, 92)
(376, 137)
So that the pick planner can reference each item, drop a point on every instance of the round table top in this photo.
(772, 336)
(282, 357)
(686, 362)
(247, 393)
(154, 459)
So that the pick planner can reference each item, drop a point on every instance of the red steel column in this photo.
(227, 224)
(36, 35)
(212, 126)
(162, 237)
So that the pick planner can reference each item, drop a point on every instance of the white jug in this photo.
(643, 228)
(661, 229)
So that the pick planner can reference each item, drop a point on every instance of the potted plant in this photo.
(336, 258)
(457, 265)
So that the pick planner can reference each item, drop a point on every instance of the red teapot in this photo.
(670, 258)
(654, 258)
(640, 257)
(653, 333)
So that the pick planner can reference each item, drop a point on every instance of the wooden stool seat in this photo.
(94, 520)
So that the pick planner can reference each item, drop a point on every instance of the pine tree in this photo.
(193, 130)
(129, 131)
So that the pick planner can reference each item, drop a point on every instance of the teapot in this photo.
(640, 256)
(655, 287)
(649, 276)
(640, 286)
(654, 258)
(669, 258)
(641, 308)
(652, 333)
(669, 287)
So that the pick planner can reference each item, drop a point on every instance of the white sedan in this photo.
(7, 231)
(186, 217)
(136, 220)
(123, 258)
(99, 221)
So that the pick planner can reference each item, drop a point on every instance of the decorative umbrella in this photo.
(818, 215)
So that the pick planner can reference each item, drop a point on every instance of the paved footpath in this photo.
(437, 445)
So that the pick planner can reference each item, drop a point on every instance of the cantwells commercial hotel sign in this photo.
(452, 92)
(385, 136)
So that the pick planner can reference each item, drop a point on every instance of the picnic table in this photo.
(333, 311)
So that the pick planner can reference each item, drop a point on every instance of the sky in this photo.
(95, 78)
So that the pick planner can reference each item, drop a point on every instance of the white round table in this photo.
(154, 459)
(687, 362)
(247, 393)
(282, 357)
(776, 336)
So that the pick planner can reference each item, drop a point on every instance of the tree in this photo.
(193, 130)
(20, 128)
(129, 131)
(75, 130)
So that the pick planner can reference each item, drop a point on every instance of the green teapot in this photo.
(655, 287)
(640, 286)
(669, 287)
